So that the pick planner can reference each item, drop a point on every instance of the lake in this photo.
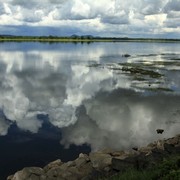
(60, 99)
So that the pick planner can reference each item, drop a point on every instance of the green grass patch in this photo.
(168, 169)
(75, 38)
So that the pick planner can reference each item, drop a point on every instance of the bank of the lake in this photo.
(159, 159)
(86, 39)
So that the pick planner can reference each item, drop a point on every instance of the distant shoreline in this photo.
(84, 39)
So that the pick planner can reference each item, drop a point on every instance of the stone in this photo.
(65, 166)
(160, 144)
(106, 151)
(34, 177)
(10, 177)
(146, 150)
(151, 145)
(52, 164)
(117, 153)
(169, 148)
(123, 164)
(81, 155)
(175, 140)
(86, 169)
(100, 161)
(66, 174)
(43, 177)
(26, 173)
(52, 172)
(79, 162)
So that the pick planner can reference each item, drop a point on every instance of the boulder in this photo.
(122, 165)
(175, 140)
(10, 177)
(117, 153)
(52, 164)
(100, 161)
(145, 150)
(82, 160)
(28, 173)
(54, 172)
(160, 144)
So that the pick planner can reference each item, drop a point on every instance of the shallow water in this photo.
(60, 99)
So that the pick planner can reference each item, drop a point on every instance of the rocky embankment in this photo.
(103, 163)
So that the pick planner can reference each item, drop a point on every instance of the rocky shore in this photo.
(103, 163)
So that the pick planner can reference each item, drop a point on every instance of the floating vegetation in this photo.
(126, 55)
(148, 73)
(94, 65)
(141, 71)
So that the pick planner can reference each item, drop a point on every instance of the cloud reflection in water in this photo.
(92, 105)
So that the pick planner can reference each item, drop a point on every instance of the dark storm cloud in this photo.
(57, 1)
(2, 11)
(115, 19)
(38, 30)
(24, 3)
(172, 5)
(172, 23)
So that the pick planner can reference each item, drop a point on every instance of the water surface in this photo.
(60, 99)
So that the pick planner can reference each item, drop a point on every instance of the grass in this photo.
(80, 39)
(51, 40)
(168, 169)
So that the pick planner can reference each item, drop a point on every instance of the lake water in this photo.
(60, 99)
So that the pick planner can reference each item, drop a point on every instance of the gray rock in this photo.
(65, 166)
(10, 177)
(123, 164)
(28, 172)
(146, 150)
(106, 151)
(82, 160)
(175, 140)
(117, 153)
(100, 161)
(54, 172)
(53, 164)
(160, 144)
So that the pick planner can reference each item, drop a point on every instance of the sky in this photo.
(115, 18)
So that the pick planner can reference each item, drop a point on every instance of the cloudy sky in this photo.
(132, 18)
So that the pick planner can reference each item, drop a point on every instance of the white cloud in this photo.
(51, 89)
(61, 13)
(80, 10)
(48, 81)
(116, 121)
